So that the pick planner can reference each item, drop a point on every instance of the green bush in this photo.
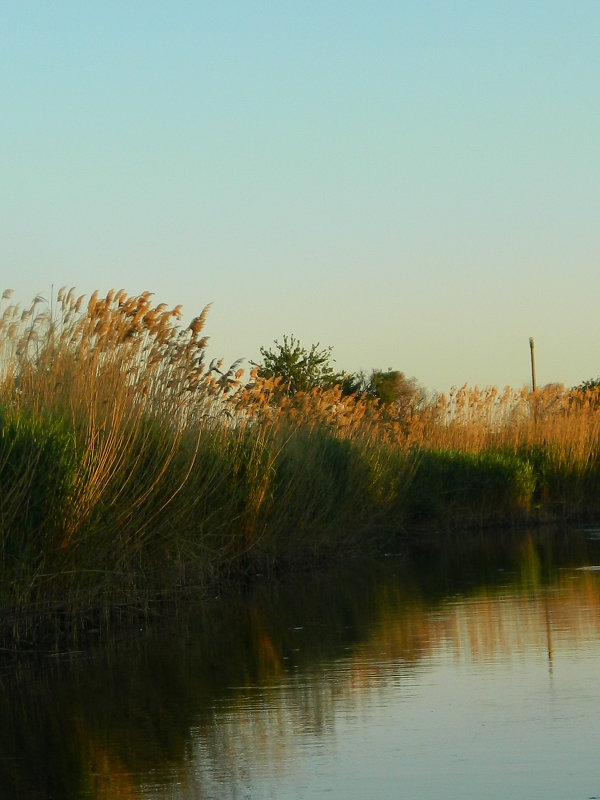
(566, 484)
(455, 487)
(37, 474)
(320, 495)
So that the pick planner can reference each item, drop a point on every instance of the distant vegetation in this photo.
(132, 471)
(297, 368)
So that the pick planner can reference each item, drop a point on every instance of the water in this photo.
(454, 671)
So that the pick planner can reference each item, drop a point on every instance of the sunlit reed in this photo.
(131, 468)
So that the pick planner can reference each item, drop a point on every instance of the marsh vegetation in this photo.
(133, 471)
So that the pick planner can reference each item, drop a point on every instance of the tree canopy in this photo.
(392, 386)
(298, 368)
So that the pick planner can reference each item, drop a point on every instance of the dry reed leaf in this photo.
(92, 302)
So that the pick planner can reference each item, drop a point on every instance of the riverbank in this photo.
(132, 472)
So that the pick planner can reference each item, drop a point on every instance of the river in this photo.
(455, 669)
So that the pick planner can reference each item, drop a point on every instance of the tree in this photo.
(393, 387)
(352, 383)
(298, 368)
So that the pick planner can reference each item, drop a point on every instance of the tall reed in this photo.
(113, 397)
(132, 469)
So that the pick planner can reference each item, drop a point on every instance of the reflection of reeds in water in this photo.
(490, 626)
(250, 680)
(493, 624)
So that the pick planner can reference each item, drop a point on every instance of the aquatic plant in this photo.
(131, 470)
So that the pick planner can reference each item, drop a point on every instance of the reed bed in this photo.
(132, 470)
(540, 451)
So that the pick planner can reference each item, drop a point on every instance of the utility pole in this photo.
(532, 347)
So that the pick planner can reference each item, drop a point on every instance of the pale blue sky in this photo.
(415, 184)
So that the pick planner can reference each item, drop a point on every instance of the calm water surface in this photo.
(452, 671)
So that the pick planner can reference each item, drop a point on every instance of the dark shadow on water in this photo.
(96, 726)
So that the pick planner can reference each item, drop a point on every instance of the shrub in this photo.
(458, 488)
(37, 475)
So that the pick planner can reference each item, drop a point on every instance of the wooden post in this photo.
(533, 381)
(532, 347)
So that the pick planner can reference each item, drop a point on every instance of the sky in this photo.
(416, 185)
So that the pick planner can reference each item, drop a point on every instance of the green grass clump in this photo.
(322, 498)
(37, 477)
(567, 482)
(453, 488)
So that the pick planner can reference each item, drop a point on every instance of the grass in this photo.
(131, 470)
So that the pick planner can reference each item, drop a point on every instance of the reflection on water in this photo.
(455, 671)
